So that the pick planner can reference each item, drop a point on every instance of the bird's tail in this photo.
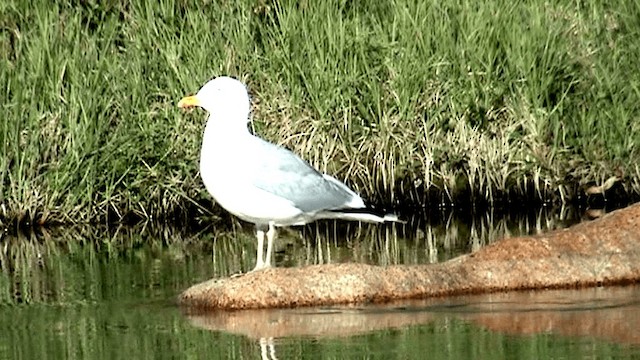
(358, 216)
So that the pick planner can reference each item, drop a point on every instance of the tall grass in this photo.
(400, 98)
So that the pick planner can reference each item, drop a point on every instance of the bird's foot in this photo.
(260, 267)
(257, 268)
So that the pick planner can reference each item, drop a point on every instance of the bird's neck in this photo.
(220, 130)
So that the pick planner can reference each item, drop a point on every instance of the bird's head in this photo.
(222, 95)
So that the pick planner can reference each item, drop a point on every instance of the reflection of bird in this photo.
(260, 182)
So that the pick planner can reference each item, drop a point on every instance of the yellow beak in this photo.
(188, 101)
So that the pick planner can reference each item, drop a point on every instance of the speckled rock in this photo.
(601, 252)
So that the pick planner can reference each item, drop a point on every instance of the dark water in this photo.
(109, 293)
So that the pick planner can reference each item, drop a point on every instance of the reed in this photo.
(407, 101)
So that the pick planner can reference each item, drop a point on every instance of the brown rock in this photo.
(600, 252)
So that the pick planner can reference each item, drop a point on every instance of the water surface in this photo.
(109, 293)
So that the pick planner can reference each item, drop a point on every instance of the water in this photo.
(109, 293)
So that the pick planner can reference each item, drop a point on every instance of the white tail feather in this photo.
(365, 217)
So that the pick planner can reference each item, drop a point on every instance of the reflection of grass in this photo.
(94, 263)
(533, 99)
(66, 265)
(113, 330)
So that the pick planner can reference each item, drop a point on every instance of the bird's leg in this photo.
(259, 262)
(271, 234)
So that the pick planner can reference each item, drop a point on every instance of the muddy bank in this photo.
(600, 252)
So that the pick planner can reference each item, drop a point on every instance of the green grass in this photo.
(401, 98)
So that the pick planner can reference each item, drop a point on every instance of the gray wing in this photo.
(284, 174)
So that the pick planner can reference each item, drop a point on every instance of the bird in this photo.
(258, 181)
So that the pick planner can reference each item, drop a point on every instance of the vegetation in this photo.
(403, 99)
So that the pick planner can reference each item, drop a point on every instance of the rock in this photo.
(601, 252)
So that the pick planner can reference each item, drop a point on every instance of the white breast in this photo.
(224, 168)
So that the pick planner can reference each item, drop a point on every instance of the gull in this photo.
(260, 182)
